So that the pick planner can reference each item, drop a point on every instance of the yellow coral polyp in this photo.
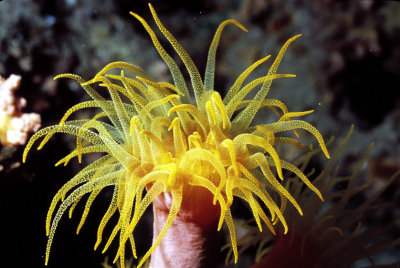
(162, 141)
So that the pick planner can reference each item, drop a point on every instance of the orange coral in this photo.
(196, 157)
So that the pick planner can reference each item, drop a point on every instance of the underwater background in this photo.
(346, 65)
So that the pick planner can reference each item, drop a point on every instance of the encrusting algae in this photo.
(163, 142)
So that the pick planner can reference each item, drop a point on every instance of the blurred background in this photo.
(347, 66)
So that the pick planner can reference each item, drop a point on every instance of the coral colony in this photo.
(14, 125)
(155, 140)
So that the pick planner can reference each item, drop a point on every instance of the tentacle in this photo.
(243, 120)
(210, 67)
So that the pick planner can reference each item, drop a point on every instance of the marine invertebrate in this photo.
(187, 155)
(333, 233)
(14, 125)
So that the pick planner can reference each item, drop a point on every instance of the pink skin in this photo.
(193, 239)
